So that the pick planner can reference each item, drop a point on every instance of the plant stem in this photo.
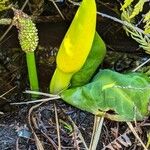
(32, 73)
(98, 123)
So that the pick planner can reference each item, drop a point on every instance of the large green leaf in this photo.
(92, 62)
(120, 97)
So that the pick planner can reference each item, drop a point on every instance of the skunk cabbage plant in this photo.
(75, 46)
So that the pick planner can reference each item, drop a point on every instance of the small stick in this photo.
(1, 96)
(136, 135)
(57, 126)
(40, 93)
(58, 9)
(98, 123)
(137, 68)
(36, 101)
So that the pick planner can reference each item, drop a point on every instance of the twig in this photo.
(98, 123)
(37, 141)
(137, 68)
(24, 5)
(79, 133)
(17, 144)
(40, 93)
(74, 3)
(36, 101)
(114, 19)
(57, 126)
(57, 9)
(122, 22)
(6, 32)
(136, 135)
(50, 140)
(1, 96)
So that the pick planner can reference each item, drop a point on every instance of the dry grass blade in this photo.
(74, 3)
(57, 126)
(32, 120)
(6, 32)
(121, 140)
(17, 144)
(76, 137)
(37, 141)
(98, 123)
(138, 67)
(57, 9)
(94, 130)
(136, 135)
(1, 96)
(79, 133)
(50, 97)
(36, 101)
(40, 93)
(50, 140)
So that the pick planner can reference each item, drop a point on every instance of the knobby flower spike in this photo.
(75, 46)
(28, 39)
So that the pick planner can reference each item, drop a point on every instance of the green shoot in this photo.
(32, 73)
(28, 39)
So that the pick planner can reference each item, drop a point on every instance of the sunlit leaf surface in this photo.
(120, 97)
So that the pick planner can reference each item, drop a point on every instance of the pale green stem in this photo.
(32, 73)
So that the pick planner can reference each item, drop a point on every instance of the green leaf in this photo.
(126, 4)
(120, 97)
(93, 60)
(147, 22)
(138, 8)
(4, 4)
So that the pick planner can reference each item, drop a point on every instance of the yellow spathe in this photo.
(75, 46)
(60, 81)
(78, 40)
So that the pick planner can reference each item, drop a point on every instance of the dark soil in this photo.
(15, 133)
